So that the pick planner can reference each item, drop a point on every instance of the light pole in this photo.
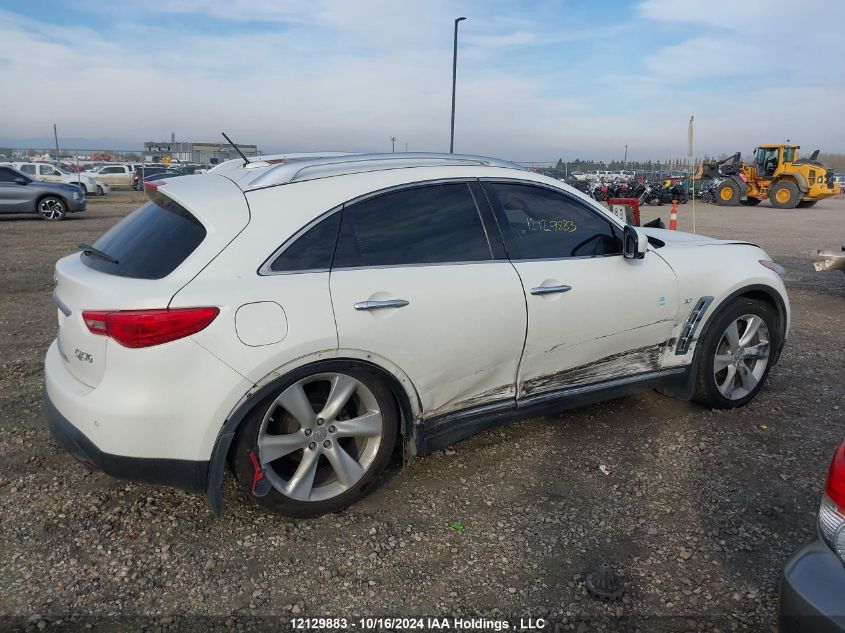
(625, 161)
(392, 144)
(454, 79)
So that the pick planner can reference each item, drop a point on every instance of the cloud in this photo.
(532, 84)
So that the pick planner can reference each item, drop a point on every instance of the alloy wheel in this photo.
(51, 209)
(742, 356)
(320, 436)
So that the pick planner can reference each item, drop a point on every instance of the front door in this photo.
(593, 315)
(414, 281)
(14, 197)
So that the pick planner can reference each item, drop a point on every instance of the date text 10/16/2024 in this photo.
(418, 624)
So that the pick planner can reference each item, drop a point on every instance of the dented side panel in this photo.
(615, 321)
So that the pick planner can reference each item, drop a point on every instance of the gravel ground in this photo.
(699, 509)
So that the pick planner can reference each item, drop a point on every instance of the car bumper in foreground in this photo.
(179, 473)
(812, 591)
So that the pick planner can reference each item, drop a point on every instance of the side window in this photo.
(311, 250)
(424, 225)
(541, 224)
(46, 170)
(28, 169)
(7, 175)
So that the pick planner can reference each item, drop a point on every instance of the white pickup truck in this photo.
(113, 175)
(51, 173)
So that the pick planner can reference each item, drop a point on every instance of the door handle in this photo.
(547, 290)
(380, 305)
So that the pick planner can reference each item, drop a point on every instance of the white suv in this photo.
(304, 319)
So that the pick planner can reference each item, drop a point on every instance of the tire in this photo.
(99, 190)
(306, 479)
(751, 202)
(806, 204)
(784, 194)
(721, 381)
(52, 208)
(707, 197)
(727, 194)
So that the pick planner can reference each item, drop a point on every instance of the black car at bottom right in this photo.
(812, 586)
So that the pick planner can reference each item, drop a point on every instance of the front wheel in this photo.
(321, 441)
(727, 194)
(52, 208)
(100, 190)
(734, 359)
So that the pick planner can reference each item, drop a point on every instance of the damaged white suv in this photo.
(303, 319)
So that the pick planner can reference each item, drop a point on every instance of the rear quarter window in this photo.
(149, 243)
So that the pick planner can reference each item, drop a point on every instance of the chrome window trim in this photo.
(265, 268)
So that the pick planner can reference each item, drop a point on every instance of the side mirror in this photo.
(634, 242)
(21, 181)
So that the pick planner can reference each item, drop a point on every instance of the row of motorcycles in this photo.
(645, 192)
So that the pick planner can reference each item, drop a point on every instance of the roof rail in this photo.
(325, 166)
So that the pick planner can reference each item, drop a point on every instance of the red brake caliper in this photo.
(260, 484)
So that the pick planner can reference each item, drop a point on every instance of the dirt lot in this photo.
(699, 511)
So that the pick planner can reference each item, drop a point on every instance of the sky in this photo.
(537, 80)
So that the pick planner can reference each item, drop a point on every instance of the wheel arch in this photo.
(796, 177)
(51, 195)
(759, 292)
(266, 387)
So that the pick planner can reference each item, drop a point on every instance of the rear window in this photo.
(150, 243)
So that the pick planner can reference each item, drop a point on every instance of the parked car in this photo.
(113, 175)
(812, 585)
(139, 175)
(51, 173)
(302, 319)
(19, 193)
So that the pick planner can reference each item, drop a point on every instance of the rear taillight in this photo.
(145, 328)
(832, 511)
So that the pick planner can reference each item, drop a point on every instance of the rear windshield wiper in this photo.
(87, 249)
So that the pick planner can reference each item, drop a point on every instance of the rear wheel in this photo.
(784, 195)
(52, 208)
(734, 359)
(727, 195)
(322, 441)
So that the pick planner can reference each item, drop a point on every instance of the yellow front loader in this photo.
(777, 174)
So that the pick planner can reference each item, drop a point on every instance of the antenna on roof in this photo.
(237, 149)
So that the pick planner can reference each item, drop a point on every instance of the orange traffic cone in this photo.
(673, 216)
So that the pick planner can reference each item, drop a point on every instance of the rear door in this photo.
(592, 314)
(416, 281)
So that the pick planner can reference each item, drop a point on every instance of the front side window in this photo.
(538, 223)
(424, 225)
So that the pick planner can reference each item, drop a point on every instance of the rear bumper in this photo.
(812, 591)
(178, 473)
